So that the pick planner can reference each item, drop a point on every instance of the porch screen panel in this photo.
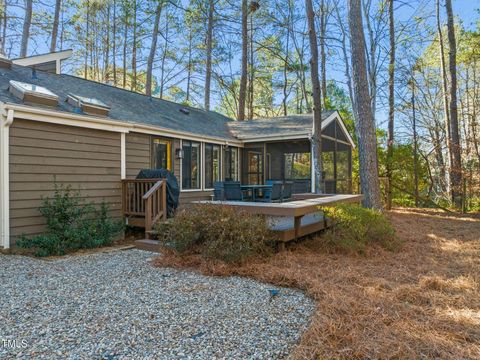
(191, 165)
(230, 162)
(328, 162)
(212, 165)
(343, 172)
(255, 167)
(297, 166)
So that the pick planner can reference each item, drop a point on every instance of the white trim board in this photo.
(44, 58)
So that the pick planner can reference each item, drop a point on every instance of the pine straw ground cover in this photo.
(422, 301)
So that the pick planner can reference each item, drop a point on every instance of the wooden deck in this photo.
(293, 219)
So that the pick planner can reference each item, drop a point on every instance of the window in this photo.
(231, 163)
(162, 154)
(297, 166)
(212, 165)
(191, 165)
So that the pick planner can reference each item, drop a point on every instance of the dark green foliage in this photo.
(354, 228)
(72, 224)
(217, 232)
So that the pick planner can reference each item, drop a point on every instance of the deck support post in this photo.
(297, 225)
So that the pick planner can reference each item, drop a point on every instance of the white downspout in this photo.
(5, 181)
(123, 157)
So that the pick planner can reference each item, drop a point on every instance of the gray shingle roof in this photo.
(277, 126)
(131, 107)
(125, 105)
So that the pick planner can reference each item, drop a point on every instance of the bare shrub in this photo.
(217, 232)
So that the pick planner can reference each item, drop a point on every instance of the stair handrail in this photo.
(155, 204)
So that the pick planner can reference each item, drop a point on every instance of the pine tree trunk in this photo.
(208, 70)
(391, 104)
(27, 22)
(164, 56)
(251, 75)
(153, 49)
(4, 27)
(365, 124)
(87, 42)
(317, 103)
(125, 44)
(348, 75)
(456, 157)
(445, 94)
(133, 86)
(243, 79)
(114, 43)
(106, 60)
(56, 19)
(286, 62)
(323, 56)
(189, 65)
(371, 57)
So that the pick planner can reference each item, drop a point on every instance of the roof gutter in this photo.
(293, 136)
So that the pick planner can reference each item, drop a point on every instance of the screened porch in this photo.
(290, 160)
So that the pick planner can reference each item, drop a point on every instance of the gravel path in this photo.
(117, 306)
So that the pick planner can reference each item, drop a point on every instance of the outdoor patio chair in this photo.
(274, 194)
(218, 191)
(232, 191)
(287, 190)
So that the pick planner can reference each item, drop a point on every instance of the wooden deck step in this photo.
(136, 221)
(284, 226)
(148, 245)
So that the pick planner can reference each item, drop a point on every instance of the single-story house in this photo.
(91, 135)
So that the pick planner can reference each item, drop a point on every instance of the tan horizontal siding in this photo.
(87, 160)
(46, 133)
(64, 145)
(137, 149)
(61, 170)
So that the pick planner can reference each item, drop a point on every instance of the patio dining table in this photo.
(254, 189)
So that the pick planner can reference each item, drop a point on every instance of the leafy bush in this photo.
(217, 232)
(354, 228)
(72, 224)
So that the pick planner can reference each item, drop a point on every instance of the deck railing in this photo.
(155, 204)
(145, 198)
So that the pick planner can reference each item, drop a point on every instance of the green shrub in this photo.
(354, 228)
(72, 224)
(217, 232)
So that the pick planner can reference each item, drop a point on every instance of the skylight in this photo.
(31, 93)
(89, 101)
(88, 105)
(26, 88)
